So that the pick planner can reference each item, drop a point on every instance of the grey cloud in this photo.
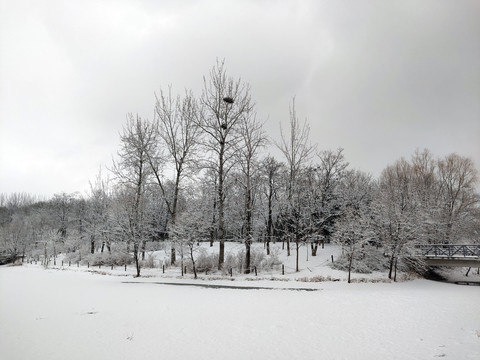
(377, 78)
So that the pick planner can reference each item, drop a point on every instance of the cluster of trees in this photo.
(198, 172)
(422, 201)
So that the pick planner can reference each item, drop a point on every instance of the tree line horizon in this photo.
(198, 171)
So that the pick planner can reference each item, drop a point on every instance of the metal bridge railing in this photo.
(450, 250)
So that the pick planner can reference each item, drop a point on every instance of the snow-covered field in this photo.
(65, 314)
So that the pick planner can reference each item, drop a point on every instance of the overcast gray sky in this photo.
(378, 78)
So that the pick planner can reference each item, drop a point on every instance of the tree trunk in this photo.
(173, 258)
(214, 221)
(248, 224)
(193, 262)
(468, 271)
(392, 260)
(248, 243)
(314, 247)
(222, 252)
(92, 245)
(296, 260)
(221, 233)
(395, 275)
(269, 221)
(135, 256)
(350, 262)
(144, 246)
(212, 236)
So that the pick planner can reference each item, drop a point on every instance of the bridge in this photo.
(451, 255)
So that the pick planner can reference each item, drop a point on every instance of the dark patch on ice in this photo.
(216, 286)
(431, 274)
(90, 313)
(474, 283)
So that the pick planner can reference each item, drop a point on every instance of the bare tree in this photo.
(297, 150)
(177, 126)
(353, 232)
(326, 194)
(252, 140)
(272, 174)
(457, 177)
(132, 171)
(188, 228)
(395, 210)
(62, 206)
(225, 101)
(14, 237)
(96, 217)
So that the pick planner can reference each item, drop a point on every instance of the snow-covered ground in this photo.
(71, 314)
(310, 267)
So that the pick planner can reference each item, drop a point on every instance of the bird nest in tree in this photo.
(228, 100)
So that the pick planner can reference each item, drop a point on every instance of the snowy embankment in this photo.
(54, 314)
(311, 268)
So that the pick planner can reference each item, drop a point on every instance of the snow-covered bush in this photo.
(365, 262)
(149, 262)
(413, 264)
(316, 278)
(73, 257)
(117, 258)
(273, 259)
(258, 258)
(205, 261)
(232, 261)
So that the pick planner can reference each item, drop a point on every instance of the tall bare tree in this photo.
(272, 174)
(253, 138)
(297, 150)
(226, 101)
(177, 122)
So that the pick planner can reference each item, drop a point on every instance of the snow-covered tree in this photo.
(395, 211)
(326, 194)
(271, 175)
(97, 222)
(457, 179)
(297, 150)
(252, 140)
(353, 232)
(191, 227)
(178, 137)
(131, 172)
(225, 101)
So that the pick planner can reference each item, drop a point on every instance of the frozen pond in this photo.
(54, 314)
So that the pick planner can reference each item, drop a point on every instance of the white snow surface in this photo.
(72, 313)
